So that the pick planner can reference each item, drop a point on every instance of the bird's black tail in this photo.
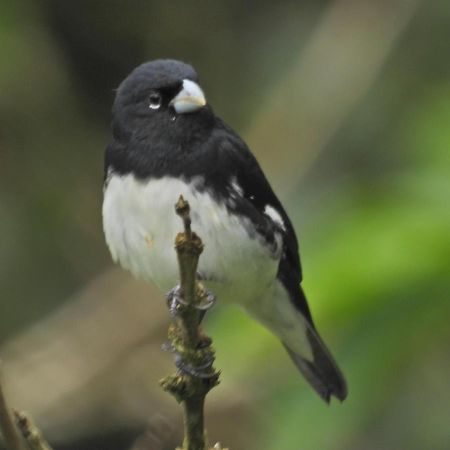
(321, 372)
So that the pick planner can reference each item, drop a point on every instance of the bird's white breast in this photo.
(140, 226)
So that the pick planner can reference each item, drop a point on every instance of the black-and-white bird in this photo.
(167, 141)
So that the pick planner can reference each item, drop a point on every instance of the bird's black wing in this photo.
(255, 194)
(247, 192)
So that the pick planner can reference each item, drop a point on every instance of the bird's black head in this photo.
(154, 96)
(159, 117)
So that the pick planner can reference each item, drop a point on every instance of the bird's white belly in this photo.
(140, 226)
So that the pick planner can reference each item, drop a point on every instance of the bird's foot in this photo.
(198, 365)
(167, 346)
(175, 300)
(205, 299)
(202, 370)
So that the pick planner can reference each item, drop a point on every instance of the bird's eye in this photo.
(155, 100)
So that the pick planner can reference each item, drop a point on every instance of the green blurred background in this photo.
(347, 106)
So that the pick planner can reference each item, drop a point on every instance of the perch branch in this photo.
(196, 375)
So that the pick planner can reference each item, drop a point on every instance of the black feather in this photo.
(322, 372)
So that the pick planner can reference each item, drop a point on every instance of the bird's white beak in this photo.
(189, 99)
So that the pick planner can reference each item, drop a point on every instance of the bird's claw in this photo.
(168, 347)
(175, 300)
(204, 370)
(206, 299)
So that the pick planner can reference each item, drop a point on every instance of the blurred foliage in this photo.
(372, 211)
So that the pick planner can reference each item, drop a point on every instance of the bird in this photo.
(167, 141)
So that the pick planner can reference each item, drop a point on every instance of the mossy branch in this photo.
(196, 375)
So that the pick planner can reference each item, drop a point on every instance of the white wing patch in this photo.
(235, 191)
(235, 186)
(271, 212)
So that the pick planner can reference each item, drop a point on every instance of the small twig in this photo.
(190, 386)
(184, 211)
(7, 427)
(31, 432)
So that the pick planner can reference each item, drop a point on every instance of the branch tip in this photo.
(183, 209)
